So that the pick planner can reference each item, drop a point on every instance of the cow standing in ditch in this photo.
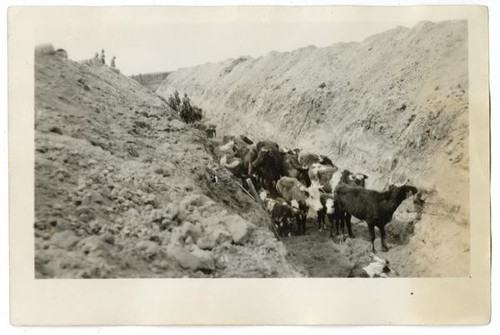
(300, 197)
(376, 208)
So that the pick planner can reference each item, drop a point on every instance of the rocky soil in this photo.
(393, 106)
(123, 188)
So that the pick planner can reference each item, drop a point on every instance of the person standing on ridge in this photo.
(103, 57)
(177, 99)
(113, 61)
(186, 102)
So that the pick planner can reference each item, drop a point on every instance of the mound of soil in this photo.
(123, 188)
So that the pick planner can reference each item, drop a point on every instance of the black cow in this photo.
(282, 215)
(268, 145)
(376, 208)
(268, 166)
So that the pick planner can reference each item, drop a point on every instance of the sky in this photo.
(144, 47)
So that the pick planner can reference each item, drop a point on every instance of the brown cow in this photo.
(307, 159)
(302, 198)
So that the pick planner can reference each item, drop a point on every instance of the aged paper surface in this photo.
(224, 301)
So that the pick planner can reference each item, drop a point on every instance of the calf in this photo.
(326, 176)
(376, 208)
(282, 215)
(211, 130)
(300, 197)
(377, 268)
(327, 210)
(329, 177)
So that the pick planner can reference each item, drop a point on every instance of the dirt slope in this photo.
(125, 189)
(150, 80)
(394, 106)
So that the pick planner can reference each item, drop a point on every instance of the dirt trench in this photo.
(391, 118)
(316, 254)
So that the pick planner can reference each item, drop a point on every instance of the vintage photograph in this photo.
(332, 149)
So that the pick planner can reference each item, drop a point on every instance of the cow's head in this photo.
(261, 157)
(403, 191)
(263, 195)
(228, 147)
(329, 206)
(230, 163)
(284, 150)
(313, 196)
(358, 179)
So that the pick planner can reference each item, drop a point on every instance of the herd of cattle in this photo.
(294, 183)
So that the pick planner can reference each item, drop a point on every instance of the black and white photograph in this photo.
(252, 150)
(249, 165)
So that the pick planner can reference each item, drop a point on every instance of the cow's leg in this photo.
(321, 219)
(304, 218)
(342, 226)
(337, 224)
(249, 170)
(301, 226)
(332, 223)
(349, 224)
(298, 221)
(371, 227)
(382, 237)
